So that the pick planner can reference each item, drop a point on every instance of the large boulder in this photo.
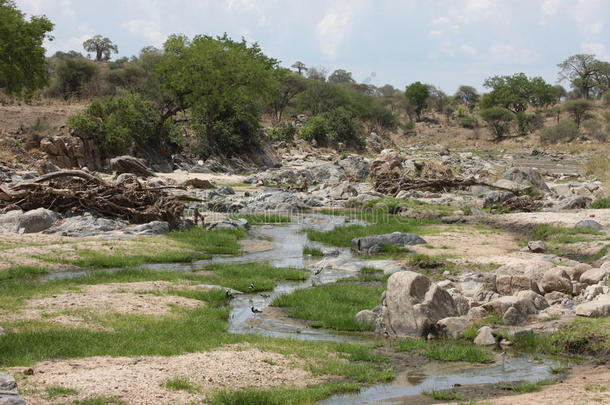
(594, 276)
(130, 164)
(366, 317)
(556, 280)
(485, 337)
(32, 221)
(538, 300)
(524, 305)
(597, 308)
(412, 305)
(367, 244)
(527, 176)
(86, 225)
(589, 224)
(571, 203)
(9, 393)
(576, 271)
(453, 326)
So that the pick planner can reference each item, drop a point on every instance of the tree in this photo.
(437, 98)
(417, 95)
(498, 119)
(517, 92)
(73, 74)
(580, 71)
(318, 73)
(300, 67)
(102, 46)
(467, 95)
(290, 84)
(214, 78)
(341, 76)
(578, 109)
(560, 92)
(23, 67)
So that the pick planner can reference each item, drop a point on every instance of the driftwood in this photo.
(77, 191)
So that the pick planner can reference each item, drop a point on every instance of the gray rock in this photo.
(395, 239)
(500, 305)
(589, 224)
(477, 313)
(594, 276)
(526, 175)
(86, 225)
(593, 309)
(453, 326)
(576, 271)
(2, 331)
(228, 223)
(509, 281)
(225, 190)
(556, 280)
(493, 197)
(9, 394)
(512, 317)
(556, 297)
(485, 337)
(538, 300)
(151, 228)
(366, 317)
(572, 203)
(412, 305)
(32, 221)
(537, 246)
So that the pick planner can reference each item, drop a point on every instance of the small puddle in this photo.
(438, 377)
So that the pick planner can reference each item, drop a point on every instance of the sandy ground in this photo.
(585, 385)
(140, 380)
(13, 117)
(216, 178)
(76, 308)
(562, 218)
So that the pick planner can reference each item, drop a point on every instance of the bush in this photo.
(335, 126)
(498, 119)
(606, 97)
(528, 123)
(469, 122)
(578, 109)
(565, 131)
(284, 133)
(119, 123)
(73, 74)
(315, 129)
(595, 130)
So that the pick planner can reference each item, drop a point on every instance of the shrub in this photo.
(606, 97)
(315, 129)
(595, 130)
(284, 133)
(73, 74)
(578, 109)
(565, 131)
(469, 122)
(119, 123)
(498, 119)
(337, 125)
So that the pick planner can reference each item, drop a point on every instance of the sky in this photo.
(446, 43)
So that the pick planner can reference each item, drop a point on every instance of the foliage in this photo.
(595, 130)
(224, 83)
(341, 76)
(417, 95)
(469, 122)
(290, 84)
(102, 46)
(602, 203)
(467, 95)
(580, 70)
(334, 126)
(23, 67)
(315, 129)
(527, 123)
(299, 66)
(517, 92)
(445, 350)
(119, 123)
(578, 109)
(73, 74)
(498, 119)
(565, 131)
(283, 133)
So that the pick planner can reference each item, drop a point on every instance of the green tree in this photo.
(211, 75)
(417, 95)
(437, 98)
(341, 76)
(23, 67)
(578, 109)
(102, 46)
(517, 92)
(290, 84)
(498, 119)
(300, 67)
(73, 74)
(581, 71)
(467, 95)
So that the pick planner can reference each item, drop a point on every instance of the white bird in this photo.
(251, 287)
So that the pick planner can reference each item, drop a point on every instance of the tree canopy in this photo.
(417, 95)
(102, 46)
(23, 67)
(517, 92)
(582, 71)
(341, 76)
(467, 95)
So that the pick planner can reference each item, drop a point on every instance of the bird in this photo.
(251, 287)
(229, 295)
(265, 295)
(255, 311)
(317, 271)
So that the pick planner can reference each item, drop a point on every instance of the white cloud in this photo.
(334, 27)
(547, 9)
(468, 50)
(147, 29)
(504, 53)
(587, 14)
(596, 48)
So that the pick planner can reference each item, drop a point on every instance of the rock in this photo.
(462, 304)
(593, 291)
(576, 271)
(86, 225)
(556, 297)
(495, 196)
(151, 228)
(37, 220)
(9, 394)
(594, 276)
(589, 224)
(593, 309)
(277, 201)
(412, 305)
(528, 176)
(485, 337)
(556, 280)
(572, 203)
(364, 244)
(343, 191)
(228, 223)
(538, 300)
(509, 281)
(225, 190)
(130, 164)
(537, 246)
(366, 317)
(452, 219)
(500, 305)
(198, 183)
(452, 326)
(477, 313)
(512, 317)
(505, 343)
(479, 286)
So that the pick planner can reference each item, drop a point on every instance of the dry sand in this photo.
(140, 380)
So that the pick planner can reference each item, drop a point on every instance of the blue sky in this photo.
(442, 42)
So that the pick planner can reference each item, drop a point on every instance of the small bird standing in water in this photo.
(251, 287)
(255, 311)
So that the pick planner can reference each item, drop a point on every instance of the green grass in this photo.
(221, 241)
(445, 350)
(281, 396)
(312, 251)
(331, 306)
(547, 232)
(58, 390)
(92, 258)
(181, 384)
(596, 388)
(394, 205)
(444, 395)
(372, 274)
(262, 219)
(601, 203)
(99, 400)
(239, 276)
(22, 272)
(525, 387)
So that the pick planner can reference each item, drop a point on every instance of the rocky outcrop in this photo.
(556, 280)
(594, 276)
(526, 176)
(374, 244)
(9, 394)
(130, 164)
(596, 308)
(32, 221)
(589, 224)
(412, 305)
(485, 337)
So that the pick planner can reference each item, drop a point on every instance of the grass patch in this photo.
(395, 205)
(331, 306)
(22, 272)
(444, 395)
(239, 276)
(181, 384)
(601, 203)
(445, 350)
(58, 390)
(546, 232)
(92, 258)
(221, 241)
(99, 400)
(525, 387)
(372, 274)
(312, 251)
(281, 396)
(596, 388)
(262, 219)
